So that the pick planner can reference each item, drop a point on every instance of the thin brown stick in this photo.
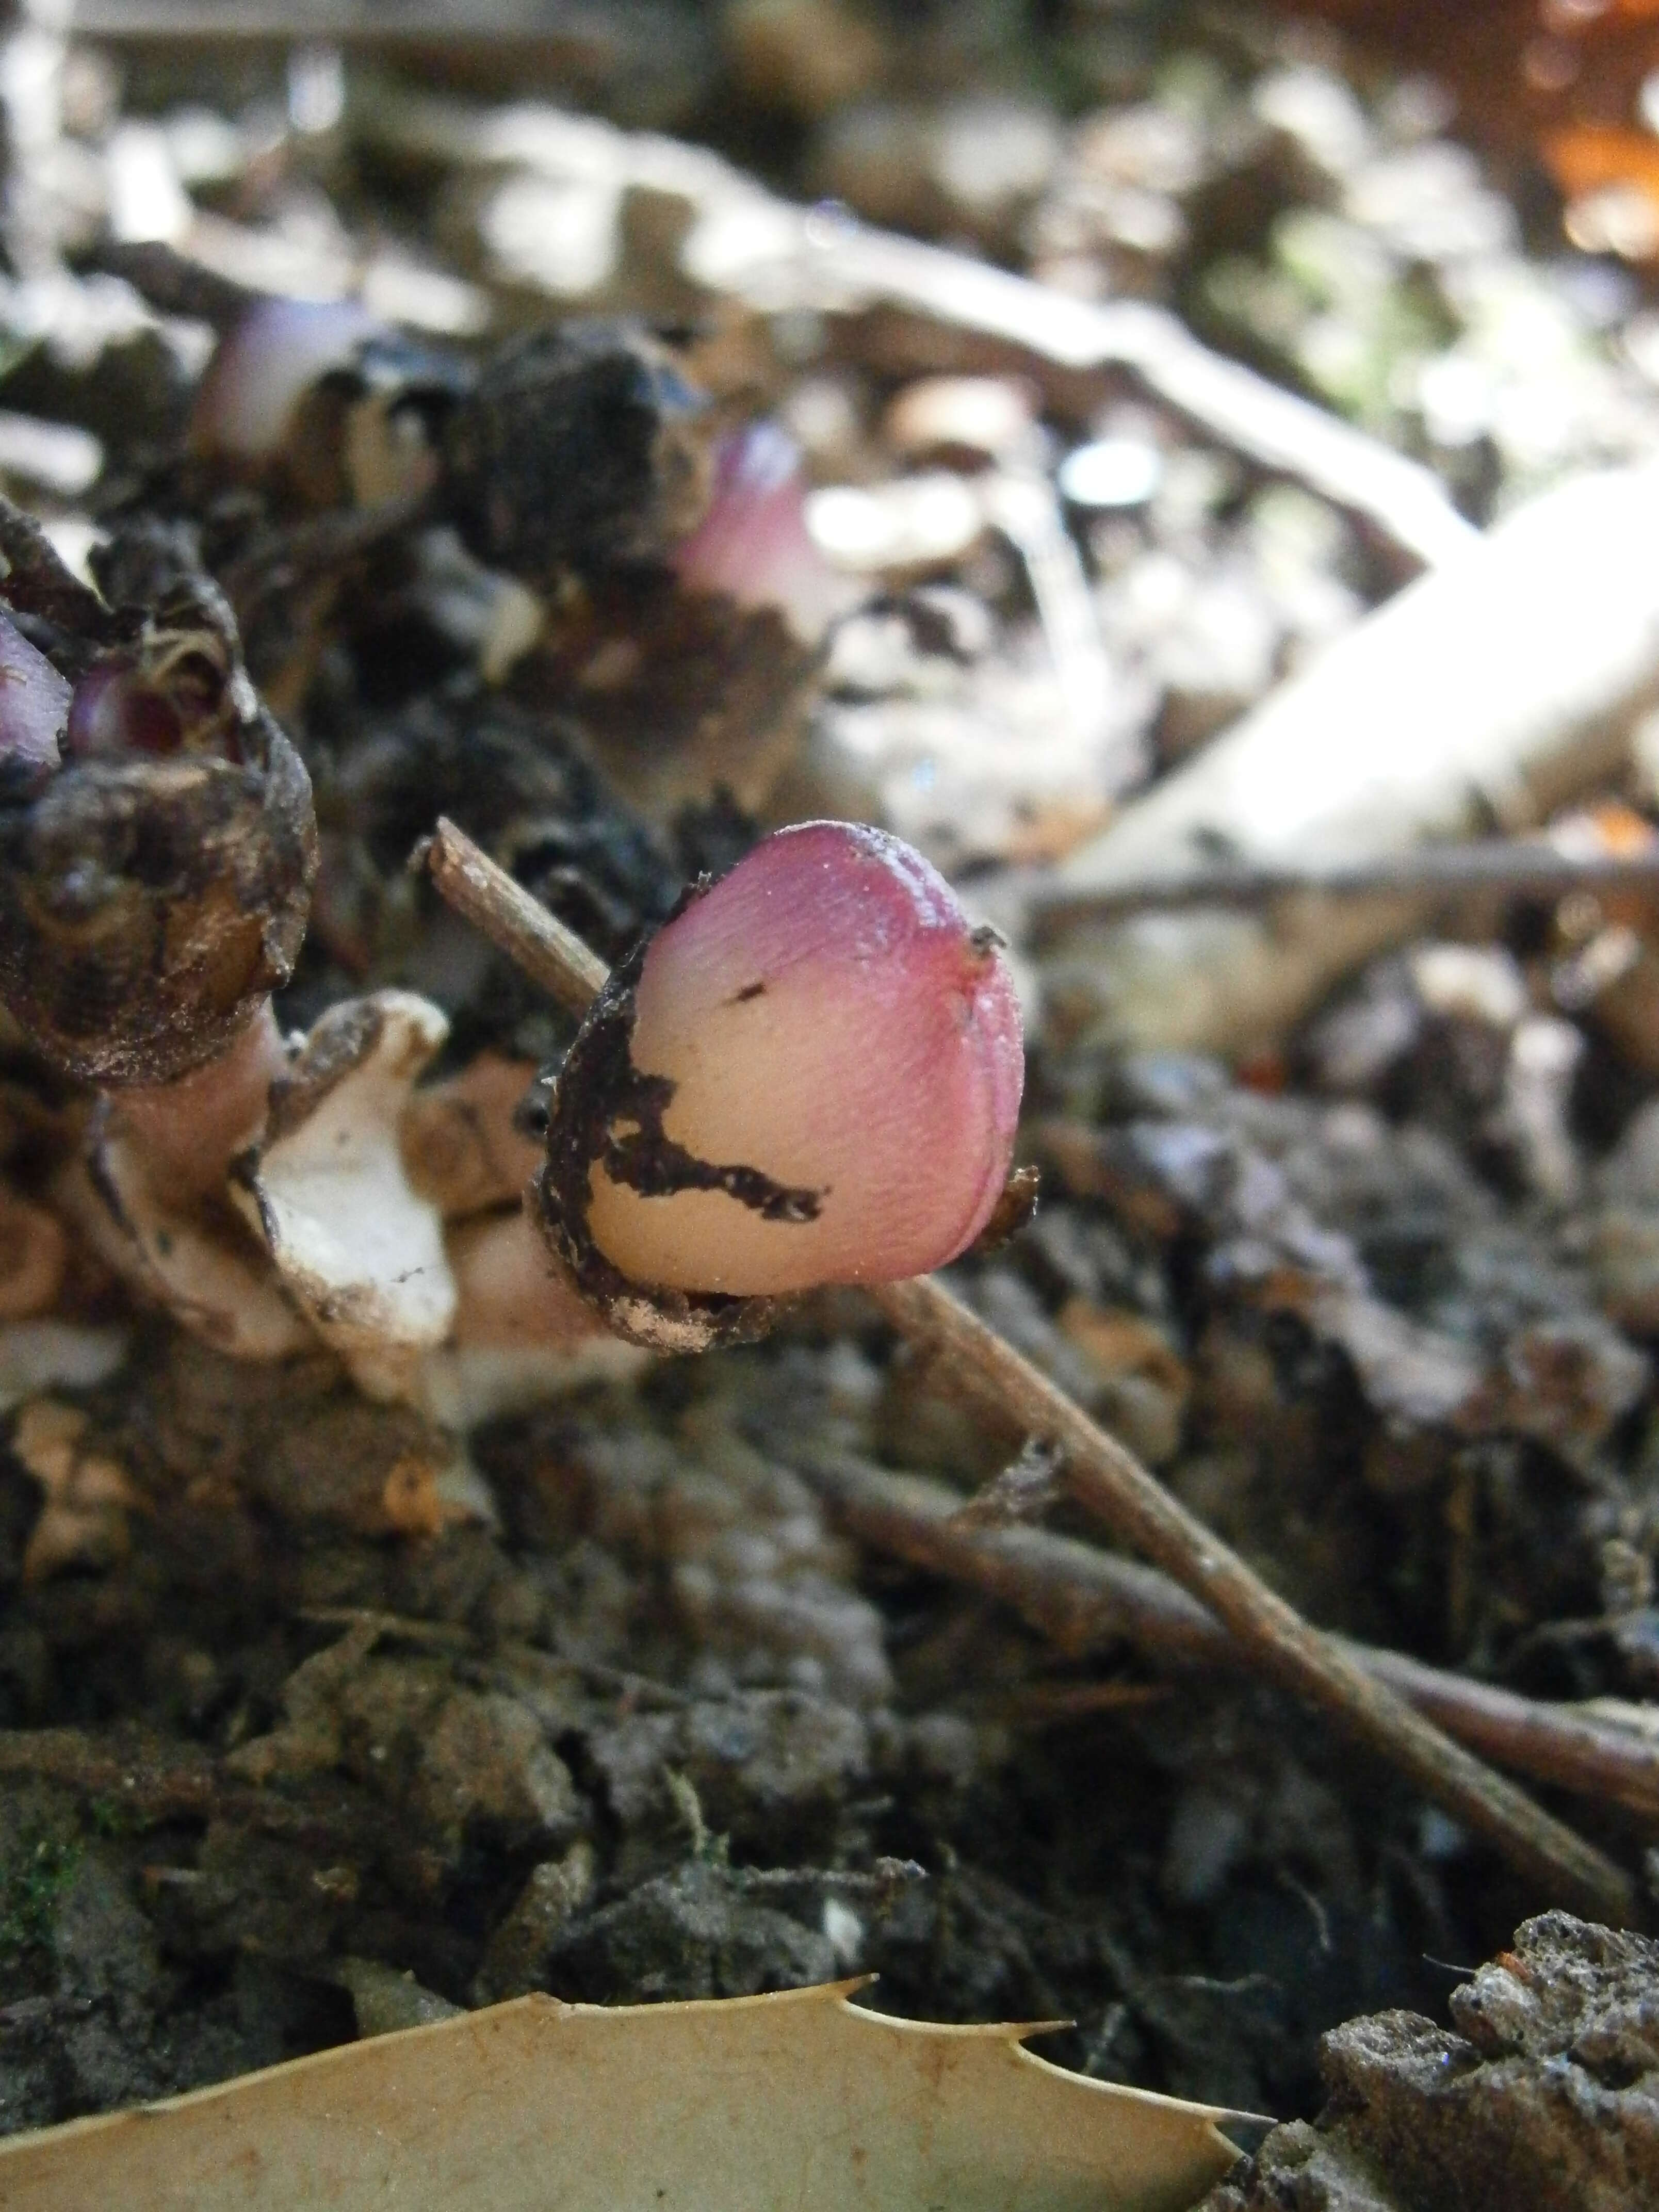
(1553, 1743)
(1510, 867)
(505, 914)
(1402, 501)
(1112, 1483)
(1080, 1597)
(172, 282)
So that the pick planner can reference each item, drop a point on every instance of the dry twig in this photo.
(780, 255)
(1510, 867)
(505, 913)
(1402, 501)
(746, 243)
(1107, 1478)
(1080, 1597)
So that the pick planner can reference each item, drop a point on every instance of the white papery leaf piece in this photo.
(357, 1248)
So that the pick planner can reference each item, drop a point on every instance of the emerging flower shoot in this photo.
(812, 1075)
(264, 366)
(753, 543)
(583, 444)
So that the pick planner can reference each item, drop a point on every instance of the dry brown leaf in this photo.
(746, 2104)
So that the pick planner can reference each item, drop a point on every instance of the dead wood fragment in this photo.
(1516, 867)
(1542, 2094)
(1494, 689)
(487, 895)
(1110, 1481)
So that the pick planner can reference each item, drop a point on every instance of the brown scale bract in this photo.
(145, 909)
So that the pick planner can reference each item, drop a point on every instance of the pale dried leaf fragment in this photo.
(460, 1145)
(197, 1262)
(33, 1256)
(742, 2105)
(83, 1519)
(358, 1249)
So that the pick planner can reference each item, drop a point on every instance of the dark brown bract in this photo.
(156, 858)
(583, 444)
(598, 1085)
(147, 905)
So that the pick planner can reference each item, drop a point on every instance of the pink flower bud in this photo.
(264, 365)
(823, 1083)
(752, 542)
(34, 701)
(170, 699)
(113, 712)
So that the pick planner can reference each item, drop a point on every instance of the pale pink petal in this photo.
(753, 543)
(265, 364)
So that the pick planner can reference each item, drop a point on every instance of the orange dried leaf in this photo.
(1586, 156)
